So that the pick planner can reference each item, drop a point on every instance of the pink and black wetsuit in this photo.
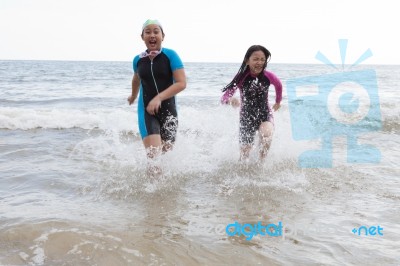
(254, 108)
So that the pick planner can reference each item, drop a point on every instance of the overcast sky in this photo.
(200, 31)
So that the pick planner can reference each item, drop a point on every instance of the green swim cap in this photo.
(150, 22)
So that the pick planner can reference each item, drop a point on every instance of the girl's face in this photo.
(256, 62)
(153, 36)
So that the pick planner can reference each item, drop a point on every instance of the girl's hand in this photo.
(234, 102)
(154, 105)
(276, 106)
(131, 99)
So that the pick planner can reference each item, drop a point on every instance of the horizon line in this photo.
(196, 62)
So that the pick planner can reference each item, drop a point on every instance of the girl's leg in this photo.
(167, 146)
(266, 132)
(153, 146)
(245, 152)
(168, 132)
(152, 143)
(246, 139)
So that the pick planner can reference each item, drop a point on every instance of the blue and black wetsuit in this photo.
(156, 76)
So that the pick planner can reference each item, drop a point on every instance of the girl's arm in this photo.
(226, 97)
(278, 88)
(178, 86)
(135, 88)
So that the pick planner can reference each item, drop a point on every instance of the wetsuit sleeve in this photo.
(274, 80)
(175, 60)
(228, 94)
(135, 62)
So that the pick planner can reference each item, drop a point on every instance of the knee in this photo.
(266, 132)
(266, 135)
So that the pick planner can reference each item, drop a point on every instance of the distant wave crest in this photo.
(26, 119)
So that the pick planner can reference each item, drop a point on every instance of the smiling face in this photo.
(153, 36)
(256, 62)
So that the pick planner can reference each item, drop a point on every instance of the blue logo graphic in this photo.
(368, 231)
(345, 103)
(250, 230)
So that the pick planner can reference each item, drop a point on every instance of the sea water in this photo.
(74, 189)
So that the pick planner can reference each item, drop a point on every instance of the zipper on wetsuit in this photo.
(154, 79)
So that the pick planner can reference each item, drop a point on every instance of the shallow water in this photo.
(74, 189)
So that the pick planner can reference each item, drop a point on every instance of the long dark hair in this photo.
(243, 70)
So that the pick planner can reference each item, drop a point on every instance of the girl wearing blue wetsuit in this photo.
(253, 82)
(159, 75)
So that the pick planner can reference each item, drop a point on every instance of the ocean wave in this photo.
(39, 101)
(104, 119)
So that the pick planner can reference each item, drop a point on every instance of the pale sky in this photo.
(200, 31)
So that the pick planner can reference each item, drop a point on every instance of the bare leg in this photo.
(245, 152)
(153, 146)
(266, 132)
(152, 143)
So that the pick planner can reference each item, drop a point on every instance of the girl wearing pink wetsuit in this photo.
(253, 82)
